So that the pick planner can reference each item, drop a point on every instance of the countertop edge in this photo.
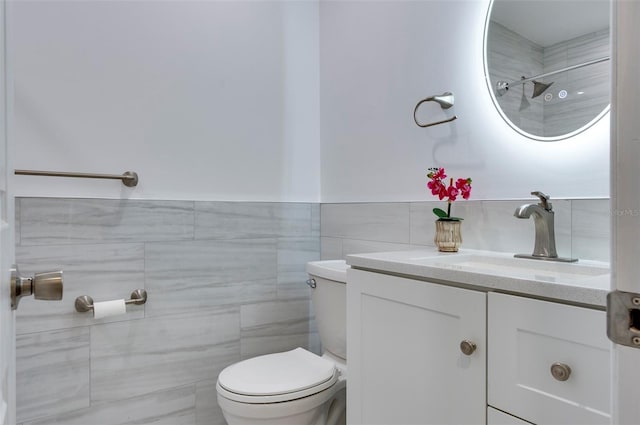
(588, 296)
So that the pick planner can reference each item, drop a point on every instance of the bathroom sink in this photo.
(519, 268)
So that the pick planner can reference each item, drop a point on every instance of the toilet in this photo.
(296, 387)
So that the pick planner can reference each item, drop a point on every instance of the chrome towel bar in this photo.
(445, 100)
(128, 178)
(84, 303)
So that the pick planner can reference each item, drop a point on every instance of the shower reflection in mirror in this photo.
(547, 64)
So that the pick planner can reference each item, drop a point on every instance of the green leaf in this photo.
(440, 213)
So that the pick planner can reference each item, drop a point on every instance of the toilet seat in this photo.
(278, 377)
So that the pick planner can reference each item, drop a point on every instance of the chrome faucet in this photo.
(543, 219)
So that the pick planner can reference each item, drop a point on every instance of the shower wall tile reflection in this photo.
(586, 90)
(206, 266)
(511, 57)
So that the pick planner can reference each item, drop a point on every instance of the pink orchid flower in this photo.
(438, 188)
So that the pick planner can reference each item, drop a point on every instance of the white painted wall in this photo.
(204, 100)
(228, 100)
(378, 59)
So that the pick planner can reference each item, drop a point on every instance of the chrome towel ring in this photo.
(445, 100)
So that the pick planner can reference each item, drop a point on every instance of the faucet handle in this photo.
(544, 200)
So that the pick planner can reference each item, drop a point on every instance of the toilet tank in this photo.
(329, 299)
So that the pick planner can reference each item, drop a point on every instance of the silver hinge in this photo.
(623, 318)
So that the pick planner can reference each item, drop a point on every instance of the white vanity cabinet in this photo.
(406, 364)
(529, 339)
(497, 417)
(405, 361)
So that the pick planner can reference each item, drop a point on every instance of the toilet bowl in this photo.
(296, 387)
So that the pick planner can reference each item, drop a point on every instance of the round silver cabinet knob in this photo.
(560, 371)
(467, 347)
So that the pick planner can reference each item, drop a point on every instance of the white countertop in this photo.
(583, 282)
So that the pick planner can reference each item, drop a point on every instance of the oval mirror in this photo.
(547, 64)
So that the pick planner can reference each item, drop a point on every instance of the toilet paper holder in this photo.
(84, 303)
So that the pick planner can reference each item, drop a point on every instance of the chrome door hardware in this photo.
(623, 318)
(560, 371)
(467, 347)
(43, 286)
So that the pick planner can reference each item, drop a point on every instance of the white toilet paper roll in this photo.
(108, 308)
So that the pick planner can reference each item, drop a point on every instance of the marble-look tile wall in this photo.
(225, 281)
(512, 56)
(588, 88)
(582, 227)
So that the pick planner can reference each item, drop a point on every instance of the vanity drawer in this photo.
(525, 338)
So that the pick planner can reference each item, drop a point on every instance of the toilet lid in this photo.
(280, 373)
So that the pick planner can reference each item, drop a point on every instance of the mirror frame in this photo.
(494, 100)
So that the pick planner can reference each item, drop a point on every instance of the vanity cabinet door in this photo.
(404, 355)
(526, 338)
(496, 417)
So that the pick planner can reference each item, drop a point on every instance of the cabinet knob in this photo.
(560, 371)
(467, 347)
